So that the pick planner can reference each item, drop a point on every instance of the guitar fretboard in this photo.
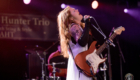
(105, 44)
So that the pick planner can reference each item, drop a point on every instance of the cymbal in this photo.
(34, 48)
(59, 59)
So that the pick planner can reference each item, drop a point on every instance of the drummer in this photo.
(56, 57)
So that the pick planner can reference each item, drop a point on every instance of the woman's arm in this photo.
(78, 35)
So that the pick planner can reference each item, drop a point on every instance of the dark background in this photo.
(109, 14)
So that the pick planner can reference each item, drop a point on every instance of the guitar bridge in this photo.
(91, 71)
(90, 67)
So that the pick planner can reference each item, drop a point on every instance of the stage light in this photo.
(94, 4)
(125, 10)
(26, 1)
(63, 5)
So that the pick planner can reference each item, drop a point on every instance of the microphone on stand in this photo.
(90, 17)
(84, 19)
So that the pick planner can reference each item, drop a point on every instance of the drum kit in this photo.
(54, 62)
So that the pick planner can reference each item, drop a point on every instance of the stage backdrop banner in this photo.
(28, 27)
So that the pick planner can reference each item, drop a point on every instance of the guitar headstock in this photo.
(119, 30)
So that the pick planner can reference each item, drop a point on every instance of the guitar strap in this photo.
(80, 70)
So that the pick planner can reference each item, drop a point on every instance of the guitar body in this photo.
(92, 57)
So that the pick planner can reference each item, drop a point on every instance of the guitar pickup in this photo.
(88, 62)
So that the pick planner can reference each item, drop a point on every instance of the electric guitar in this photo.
(89, 60)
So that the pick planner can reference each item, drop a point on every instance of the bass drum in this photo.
(52, 78)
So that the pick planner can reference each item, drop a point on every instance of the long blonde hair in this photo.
(63, 26)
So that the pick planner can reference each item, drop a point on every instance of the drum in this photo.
(52, 78)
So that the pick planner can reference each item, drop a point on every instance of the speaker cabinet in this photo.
(34, 66)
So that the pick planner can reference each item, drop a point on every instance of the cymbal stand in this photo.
(44, 64)
(42, 59)
(45, 57)
(54, 70)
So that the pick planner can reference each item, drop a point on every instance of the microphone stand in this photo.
(104, 71)
(108, 42)
(109, 63)
(104, 67)
(121, 57)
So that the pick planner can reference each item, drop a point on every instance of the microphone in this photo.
(90, 17)
(84, 20)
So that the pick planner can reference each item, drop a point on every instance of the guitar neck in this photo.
(105, 44)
